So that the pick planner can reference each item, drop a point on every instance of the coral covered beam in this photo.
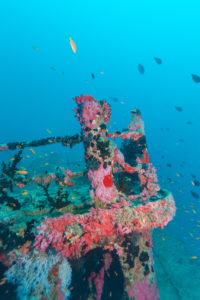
(65, 141)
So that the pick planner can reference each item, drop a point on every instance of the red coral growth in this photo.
(81, 99)
(107, 180)
(98, 281)
(107, 112)
(145, 159)
(75, 235)
(3, 148)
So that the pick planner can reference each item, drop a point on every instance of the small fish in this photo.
(194, 195)
(158, 60)
(169, 165)
(27, 156)
(22, 172)
(193, 175)
(181, 140)
(32, 151)
(93, 77)
(73, 198)
(35, 48)
(101, 72)
(141, 69)
(48, 130)
(46, 164)
(114, 99)
(12, 159)
(53, 68)
(122, 102)
(194, 211)
(189, 123)
(196, 182)
(24, 193)
(178, 108)
(63, 73)
(196, 78)
(193, 257)
(72, 44)
(3, 280)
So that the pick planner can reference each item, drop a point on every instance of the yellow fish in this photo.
(72, 44)
(12, 158)
(3, 280)
(73, 198)
(46, 164)
(24, 193)
(35, 48)
(32, 151)
(194, 257)
(48, 130)
(22, 172)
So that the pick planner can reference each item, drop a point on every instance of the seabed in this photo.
(177, 276)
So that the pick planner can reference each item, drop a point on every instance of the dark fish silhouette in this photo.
(193, 175)
(114, 99)
(178, 108)
(195, 195)
(93, 77)
(141, 69)
(169, 165)
(196, 78)
(181, 140)
(196, 182)
(189, 123)
(158, 60)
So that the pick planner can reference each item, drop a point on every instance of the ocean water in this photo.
(40, 75)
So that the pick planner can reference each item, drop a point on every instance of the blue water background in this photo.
(113, 37)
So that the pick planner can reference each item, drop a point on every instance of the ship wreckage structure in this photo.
(101, 249)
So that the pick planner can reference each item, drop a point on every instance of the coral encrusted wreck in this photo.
(110, 246)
